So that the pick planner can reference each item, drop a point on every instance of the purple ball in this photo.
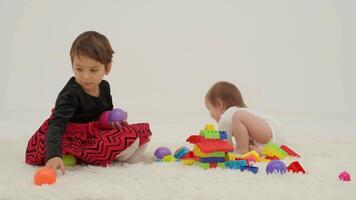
(276, 166)
(117, 115)
(162, 152)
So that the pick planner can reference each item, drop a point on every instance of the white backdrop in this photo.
(289, 58)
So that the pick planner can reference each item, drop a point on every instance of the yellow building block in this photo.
(271, 150)
(209, 127)
(187, 162)
(248, 154)
(168, 158)
(199, 153)
(230, 156)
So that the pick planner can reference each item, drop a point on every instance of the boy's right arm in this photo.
(64, 110)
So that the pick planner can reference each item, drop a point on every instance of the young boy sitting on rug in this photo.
(72, 128)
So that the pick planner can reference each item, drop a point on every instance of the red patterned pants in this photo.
(88, 143)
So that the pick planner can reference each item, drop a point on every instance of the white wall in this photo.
(287, 57)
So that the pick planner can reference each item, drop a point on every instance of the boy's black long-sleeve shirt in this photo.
(76, 106)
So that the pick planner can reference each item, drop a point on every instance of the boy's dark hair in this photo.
(94, 45)
(227, 92)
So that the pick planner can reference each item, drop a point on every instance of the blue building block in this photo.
(181, 152)
(212, 159)
(223, 135)
(250, 168)
(235, 164)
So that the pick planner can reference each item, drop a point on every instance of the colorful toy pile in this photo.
(211, 150)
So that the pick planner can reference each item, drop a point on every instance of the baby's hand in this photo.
(56, 163)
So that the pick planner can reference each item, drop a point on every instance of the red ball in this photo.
(45, 175)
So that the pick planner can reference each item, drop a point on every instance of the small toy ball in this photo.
(117, 115)
(45, 175)
(344, 176)
(104, 120)
(181, 152)
(69, 160)
(276, 166)
(162, 152)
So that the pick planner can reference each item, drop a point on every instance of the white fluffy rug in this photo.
(323, 156)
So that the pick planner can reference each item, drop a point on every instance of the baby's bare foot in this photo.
(254, 148)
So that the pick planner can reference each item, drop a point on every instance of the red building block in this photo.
(213, 165)
(209, 146)
(195, 139)
(289, 151)
(272, 158)
(190, 155)
(295, 167)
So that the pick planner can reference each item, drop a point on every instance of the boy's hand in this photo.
(56, 163)
(119, 125)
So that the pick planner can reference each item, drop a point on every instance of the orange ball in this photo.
(45, 175)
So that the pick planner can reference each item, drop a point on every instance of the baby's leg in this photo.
(257, 128)
(247, 126)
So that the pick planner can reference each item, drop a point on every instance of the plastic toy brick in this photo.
(289, 151)
(250, 168)
(203, 165)
(269, 158)
(221, 165)
(223, 135)
(209, 146)
(198, 152)
(295, 167)
(271, 149)
(209, 127)
(251, 159)
(168, 158)
(262, 160)
(209, 159)
(187, 162)
(250, 154)
(195, 139)
(210, 134)
(236, 164)
(190, 155)
(230, 156)
(213, 165)
(181, 152)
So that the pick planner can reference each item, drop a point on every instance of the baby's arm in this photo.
(240, 133)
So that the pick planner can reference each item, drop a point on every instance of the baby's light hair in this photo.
(227, 92)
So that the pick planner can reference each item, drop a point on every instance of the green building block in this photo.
(210, 134)
(203, 165)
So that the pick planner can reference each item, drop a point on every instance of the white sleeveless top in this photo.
(225, 123)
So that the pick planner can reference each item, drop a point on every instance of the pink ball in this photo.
(104, 120)
(345, 176)
(117, 115)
